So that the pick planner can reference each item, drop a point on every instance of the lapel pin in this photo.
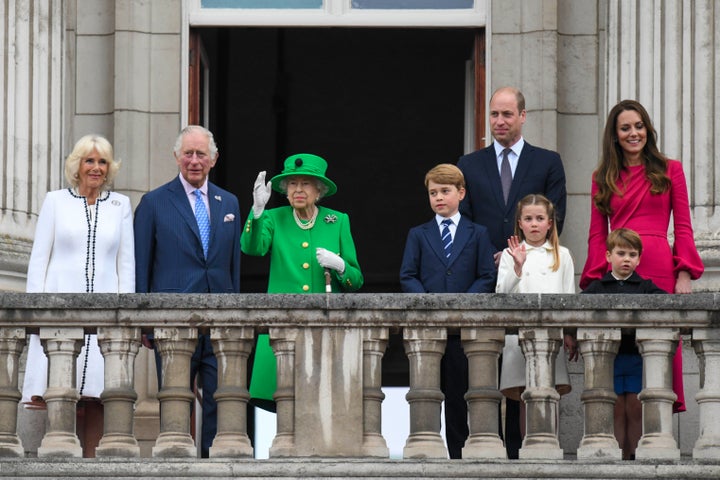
(218, 198)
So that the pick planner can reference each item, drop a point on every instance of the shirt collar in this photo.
(516, 148)
(455, 219)
(545, 246)
(189, 189)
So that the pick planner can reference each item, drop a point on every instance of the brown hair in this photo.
(445, 174)
(624, 237)
(611, 163)
(552, 235)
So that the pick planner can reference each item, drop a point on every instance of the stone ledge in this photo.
(353, 468)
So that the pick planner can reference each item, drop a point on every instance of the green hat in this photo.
(305, 164)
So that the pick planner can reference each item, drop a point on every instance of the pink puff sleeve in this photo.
(596, 265)
(685, 254)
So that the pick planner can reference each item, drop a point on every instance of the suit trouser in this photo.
(454, 384)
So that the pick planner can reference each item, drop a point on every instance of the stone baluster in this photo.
(483, 347)
(540, 347)
(282, 341)
(176, 346)
(598, 348)
(374, 344)
(119, 347)
(62, 346)
(706, 342)
(12, 341)
(232, 347)
(425, 348)
(657, 347)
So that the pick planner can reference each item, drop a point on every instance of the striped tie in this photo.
(203, 220)
(446, 237)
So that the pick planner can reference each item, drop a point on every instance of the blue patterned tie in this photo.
(203, 220)
(446, 237)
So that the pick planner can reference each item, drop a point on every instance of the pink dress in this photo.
(649, 216)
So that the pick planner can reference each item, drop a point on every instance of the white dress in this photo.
(537, 277)
(79, 248)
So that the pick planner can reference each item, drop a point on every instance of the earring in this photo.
(76, 176)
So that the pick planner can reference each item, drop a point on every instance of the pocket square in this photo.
(229, 218)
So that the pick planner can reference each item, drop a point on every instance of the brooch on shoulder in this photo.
(330, 218)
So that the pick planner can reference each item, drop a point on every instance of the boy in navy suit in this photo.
(624, 248)
(452, 258)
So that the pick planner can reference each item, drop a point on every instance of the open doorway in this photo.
(382, 106)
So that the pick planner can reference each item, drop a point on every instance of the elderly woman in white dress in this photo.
(83, 243)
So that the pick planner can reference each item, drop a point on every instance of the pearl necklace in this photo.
(310, 223)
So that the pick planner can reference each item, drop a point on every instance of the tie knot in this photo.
(506, 151)
(198, 193)
(447, 222)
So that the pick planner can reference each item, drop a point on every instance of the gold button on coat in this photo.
(306, 288)
(305, 244)
(306, 265)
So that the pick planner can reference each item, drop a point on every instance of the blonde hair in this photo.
(85, 147)
(552, 235)
(445, 174)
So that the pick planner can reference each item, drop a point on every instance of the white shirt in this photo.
(513, 156)
(190, 192)
(453, 226)
(537, 275)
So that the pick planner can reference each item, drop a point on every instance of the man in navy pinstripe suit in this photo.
(169, 252)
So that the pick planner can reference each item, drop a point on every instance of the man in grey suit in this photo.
(187, 240)
(497, 178)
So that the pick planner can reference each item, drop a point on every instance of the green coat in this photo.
(295, 269)
(293, 266)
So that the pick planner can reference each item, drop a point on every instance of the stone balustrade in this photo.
(329, 354)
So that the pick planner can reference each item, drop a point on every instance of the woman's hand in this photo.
(261, 194)
(328, 259)
(516, 249)
(683, 283)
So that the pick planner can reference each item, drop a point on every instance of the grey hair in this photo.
(196, 128)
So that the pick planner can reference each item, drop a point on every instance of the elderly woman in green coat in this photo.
(305, 241)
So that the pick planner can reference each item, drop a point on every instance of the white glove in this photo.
(261, 194)
(328, 259)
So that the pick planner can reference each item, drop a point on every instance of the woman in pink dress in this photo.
(637, 187)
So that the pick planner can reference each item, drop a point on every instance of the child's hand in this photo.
(571, 348)
(516, 249)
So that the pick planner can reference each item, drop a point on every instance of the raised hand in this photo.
(516, 249)
(261, 194)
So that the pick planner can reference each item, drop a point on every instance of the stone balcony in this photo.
(329, 353)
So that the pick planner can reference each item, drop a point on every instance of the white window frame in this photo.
(337, 13)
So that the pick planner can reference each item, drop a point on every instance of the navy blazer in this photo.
(470, 268)
(168, 251)
(538, 171)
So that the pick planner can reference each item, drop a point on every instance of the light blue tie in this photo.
(446, 237)
(203, 220)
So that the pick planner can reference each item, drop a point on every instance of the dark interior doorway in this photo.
(382, 106)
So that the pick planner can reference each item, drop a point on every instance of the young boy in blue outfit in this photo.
(624, 248)
(449, 254)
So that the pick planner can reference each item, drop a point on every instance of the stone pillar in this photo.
(657, 347)
(232, 347)
(32, 61)
(119, 347)
(176, 346)
(706, 342)
(483, 347)
(62, 346)
(374, 345)
(425, 348)
(540, 347)
(598, 348)
(12, 341)
(282, 341)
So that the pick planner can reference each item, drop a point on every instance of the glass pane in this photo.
(412, 4)
(261, 3)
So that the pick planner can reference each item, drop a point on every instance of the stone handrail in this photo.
(329, 352)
